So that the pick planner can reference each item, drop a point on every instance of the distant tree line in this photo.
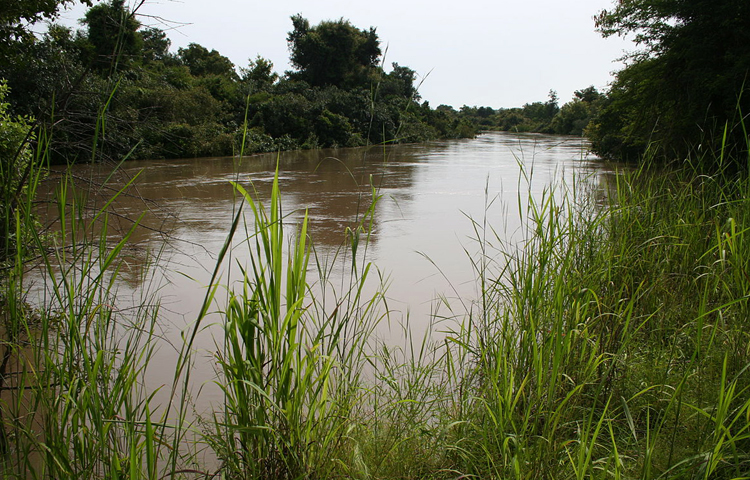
(543, 117)
(114, 89)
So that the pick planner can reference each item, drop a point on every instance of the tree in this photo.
(259, 75)
(214, 72)
(201, 62)
(541, 114)
(16, 16)
(18, 44)
(589, 94)
(333, 53)
(112, 31)
(155, 45)
(15, 155)
(686, 81)
(573, 117)
(400, 83)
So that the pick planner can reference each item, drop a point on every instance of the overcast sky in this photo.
(497, 53)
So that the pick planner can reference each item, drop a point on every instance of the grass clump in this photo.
(614, 342)
(73, 401)
(291, 363)
(74, 405)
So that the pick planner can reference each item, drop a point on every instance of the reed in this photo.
(74, 404)
(291, 364)
(608, 344)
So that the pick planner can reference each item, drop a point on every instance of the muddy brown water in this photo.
(431, 197)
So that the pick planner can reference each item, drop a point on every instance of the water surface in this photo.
(432, 199)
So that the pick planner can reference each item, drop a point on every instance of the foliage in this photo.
(72, 371)
(333, 53)
(684, 86)
(542, 112)
(259, 75)
(575, 116)
(285, 369)
(611, 342)
(112, 36)
(545, 117)
(117, 82)
(399, 83)
(16, 19)
(155, 45)
(16, 156)
(201, 62)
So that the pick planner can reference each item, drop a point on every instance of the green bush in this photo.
(16, 154)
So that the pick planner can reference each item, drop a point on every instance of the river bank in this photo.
(610, 342)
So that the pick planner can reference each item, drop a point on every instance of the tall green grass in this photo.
(291, 363)
(74, 403)
(612, 342)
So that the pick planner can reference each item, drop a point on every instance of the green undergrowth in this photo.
(615, 342)
(611, 342)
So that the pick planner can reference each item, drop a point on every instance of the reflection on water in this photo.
(422, 225)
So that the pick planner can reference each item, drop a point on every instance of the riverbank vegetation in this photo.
(542, 117)
(155, 103)
(611, 342)
(684, 86)
(675, 93)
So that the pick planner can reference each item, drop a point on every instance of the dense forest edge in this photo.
(613, 343)
(679, 89)
(196, 103)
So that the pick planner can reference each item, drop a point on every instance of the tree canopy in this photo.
(112, 31)
(202, 62)
(16, 16)
(684, 84)
(332, 53)
(194, 103)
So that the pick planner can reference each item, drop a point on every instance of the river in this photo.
(435, 201)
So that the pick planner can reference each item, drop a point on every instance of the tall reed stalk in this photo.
(290, 364)
(75, 403)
